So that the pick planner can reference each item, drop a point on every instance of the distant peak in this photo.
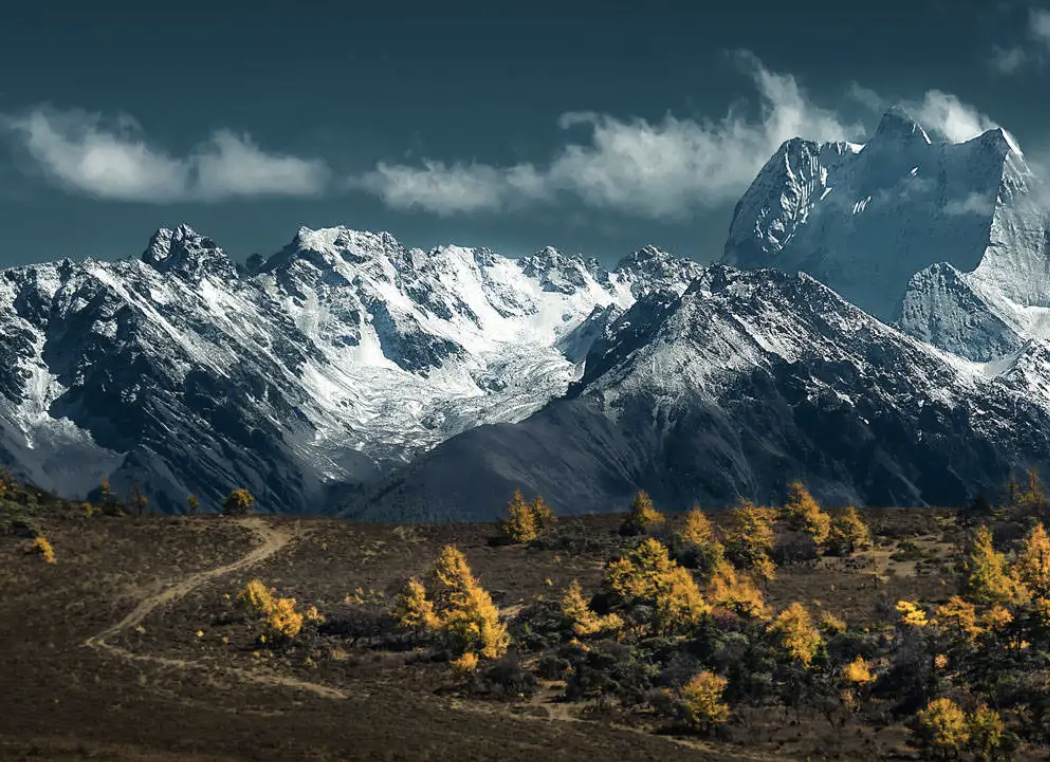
(186, 251)
(898, 123)
(1001, 139)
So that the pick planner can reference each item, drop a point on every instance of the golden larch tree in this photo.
(941, 728)
(849, 533)
(752, 537)
(804, 514)
(702, 701)
(519, 525)
(795, 634)
(990, 579)
(1033, 562)
(697, 530)
(642, 516)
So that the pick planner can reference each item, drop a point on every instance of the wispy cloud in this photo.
(111, 159)
(1032, 51)
(652, 169)
(954, 120)
(940, 113)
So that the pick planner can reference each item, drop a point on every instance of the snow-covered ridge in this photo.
(869, 222)
(337, 356)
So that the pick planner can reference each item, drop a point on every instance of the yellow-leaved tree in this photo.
(804, 514)
(238, 503)
(697, 529)
(795, 635)
(525, 522)
(453, 604)
(412, 610)
(648, 576)
(702, 701)
(849, 533)
(729, 590)
(1031, 498)
(941, 728)
(752, 537)
(584, 621)
(1033, 562)
(520, 524)
(642, 516)
(990, 579)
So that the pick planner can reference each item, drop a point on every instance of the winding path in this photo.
(273, 539)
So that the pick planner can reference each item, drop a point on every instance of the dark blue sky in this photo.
(444, 122)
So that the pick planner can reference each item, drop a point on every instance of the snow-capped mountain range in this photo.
(341, 355)
(909, 365)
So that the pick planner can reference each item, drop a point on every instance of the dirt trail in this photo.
(273, 539)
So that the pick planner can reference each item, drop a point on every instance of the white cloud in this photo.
(975, 203)
(112, 160)
(652, 169)
(1033, 51)
(947, 115)
(1039, 27)
(1009, 60)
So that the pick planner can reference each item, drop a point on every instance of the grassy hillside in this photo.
(133, 643)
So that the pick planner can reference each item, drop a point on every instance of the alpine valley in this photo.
(879, 327)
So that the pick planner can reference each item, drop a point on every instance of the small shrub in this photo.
(256, 597)
(43, 548)
(465, 665)
(283, 622)
(238, 503)
(830, 625)
(504, 680)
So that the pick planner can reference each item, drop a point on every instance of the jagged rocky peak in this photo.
(865, 220)
(186, 252)
(650, 268)
(898, 125)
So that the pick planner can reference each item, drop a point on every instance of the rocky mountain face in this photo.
(951, 241)
(746, 381)
(314, 370)
(910, 364)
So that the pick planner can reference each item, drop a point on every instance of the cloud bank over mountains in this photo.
(659, 170)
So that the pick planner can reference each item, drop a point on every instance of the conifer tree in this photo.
(193, 505)
(1033, 562)
(542, 514)
(849, 533)
(797, 638)
(1031, 499)
(702, 701)
(412, 610)
(463, 610)
(734, 592)
(642, 516)
(519, 525)
(804, 514)
(583, 620)
(697, 530)
(648, 576)
(941, 728)
(139, 501)
(238, 503)
(752, 537)
(990, 580)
